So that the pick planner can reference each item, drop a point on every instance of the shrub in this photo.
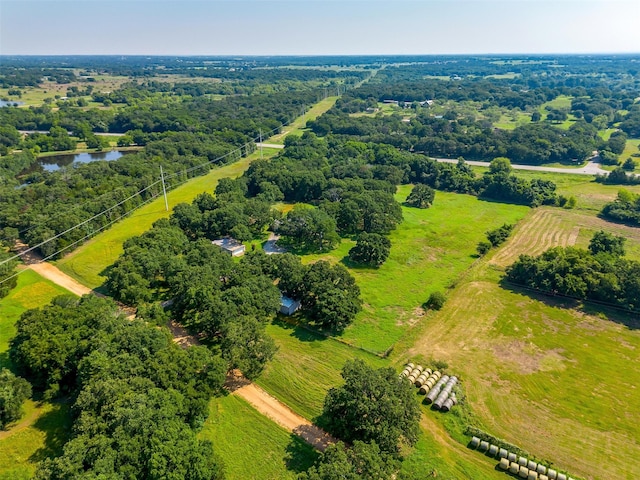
(435, 302)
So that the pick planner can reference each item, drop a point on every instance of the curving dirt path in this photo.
(53, 273)
(278, 412)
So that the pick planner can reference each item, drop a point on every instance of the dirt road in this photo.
(279, 412)
(54, 274)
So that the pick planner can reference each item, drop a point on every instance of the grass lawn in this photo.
(252, 446)
(306, 366)
(43, 429)
(298, 126)
(87, 263)
(430, 249)
(630, 148)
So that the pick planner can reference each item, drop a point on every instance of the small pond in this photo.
(56, 162)
(10, 103)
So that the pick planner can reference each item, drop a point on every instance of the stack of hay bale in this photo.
(520, 466)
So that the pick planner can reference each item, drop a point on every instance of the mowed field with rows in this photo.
(548, 227)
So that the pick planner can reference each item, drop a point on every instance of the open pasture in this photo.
(548, 227)
(550, 375)
(430, 249)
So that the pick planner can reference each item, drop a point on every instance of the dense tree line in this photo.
(600, 273)
(50, 203)
(498, 183)
(351, 183)
(451, 138)
(138, 398)
(225, 301)
(625, 208)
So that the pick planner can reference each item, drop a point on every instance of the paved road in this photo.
(99, 134)
(591, 168)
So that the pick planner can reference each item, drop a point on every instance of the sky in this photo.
(317, 27)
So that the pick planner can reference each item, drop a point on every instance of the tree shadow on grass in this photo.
(56, 424)
(613, 314)
(346, 261)
(5, 362)
(302, 333)
(300, 455)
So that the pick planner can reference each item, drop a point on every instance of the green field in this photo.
(252, 446)
(430, 249)
(299, 125)
(44, 426)
(545, 374)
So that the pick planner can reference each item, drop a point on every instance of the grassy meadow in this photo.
(44, 427)
(430, 249)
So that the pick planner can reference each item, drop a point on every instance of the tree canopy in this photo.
(372, 405)
(13, 392)
(137, 396)
(371, 249)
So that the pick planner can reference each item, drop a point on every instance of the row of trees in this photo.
(498, 183)
(138, 399)
(625, 208)
(600, 273)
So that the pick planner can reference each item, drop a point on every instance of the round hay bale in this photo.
(411, 365)
(427, 371)
(493, 450)
(504, 464)
(541, 468)
(484, 446)
(562, 476)
(437, 373)
(514, 467)
(522, 461)
(475, 442)
(424, 390)
(531, 465)
(512, 457)
(542, 476)
(552, 474)
(523, 472)
(533, 475)
(503, 453)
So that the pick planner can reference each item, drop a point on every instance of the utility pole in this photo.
(164, 190)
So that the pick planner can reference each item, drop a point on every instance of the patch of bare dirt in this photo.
(278, 412)
(54, 274)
